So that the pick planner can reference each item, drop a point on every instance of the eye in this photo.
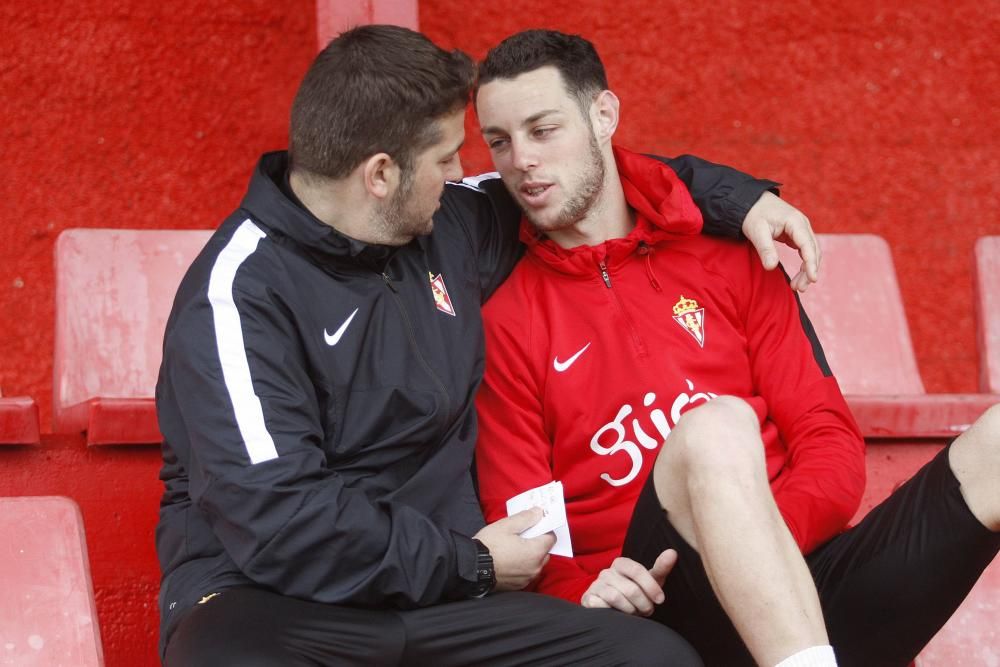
(542, 132)
(497, 144)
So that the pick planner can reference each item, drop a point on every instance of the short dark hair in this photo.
(374, 89)
(575, 58)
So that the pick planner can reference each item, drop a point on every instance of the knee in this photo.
(642, 642)
(721, 435)
(990, 440)
(989, 422)
(981, 443)
(724, 415)
(975, 460)
(198, 650)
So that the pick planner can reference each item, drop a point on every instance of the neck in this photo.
(335, 203)
(608, 218)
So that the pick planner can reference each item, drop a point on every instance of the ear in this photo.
(604, 115)
(381, 175)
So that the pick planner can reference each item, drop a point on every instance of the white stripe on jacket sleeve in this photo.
(229, 339)
(473, 182)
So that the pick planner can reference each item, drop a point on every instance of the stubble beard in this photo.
(395, 222)
(591, 185)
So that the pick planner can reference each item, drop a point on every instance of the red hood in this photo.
(664, 210)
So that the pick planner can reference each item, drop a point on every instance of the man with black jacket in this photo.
(316, 394)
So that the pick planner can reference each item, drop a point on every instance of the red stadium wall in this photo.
(878, 117)
(123, 114)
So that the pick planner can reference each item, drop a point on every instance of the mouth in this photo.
(535, 193)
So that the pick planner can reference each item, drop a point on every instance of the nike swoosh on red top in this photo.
(561, 366)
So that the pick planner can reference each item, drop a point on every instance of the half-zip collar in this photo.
(664, 210)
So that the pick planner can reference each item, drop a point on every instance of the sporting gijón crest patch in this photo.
(440, 292)
(689, 315)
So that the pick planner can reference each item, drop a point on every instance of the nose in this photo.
(523, 156)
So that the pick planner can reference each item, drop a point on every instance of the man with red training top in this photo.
(624, 328)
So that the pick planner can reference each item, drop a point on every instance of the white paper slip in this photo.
(549, 497)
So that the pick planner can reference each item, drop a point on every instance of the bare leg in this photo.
(975, 460)
(711, 479)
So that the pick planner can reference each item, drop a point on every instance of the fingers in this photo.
(626, 586)
(661, 568)
(800, 282)
(522, 521)
(592, 601)
(542, 544)
(801, 236)
(772, 218)
(608, 589)
(642, 581)
(758, 232)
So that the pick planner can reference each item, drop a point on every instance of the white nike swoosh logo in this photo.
(335, 338)
(561, 366)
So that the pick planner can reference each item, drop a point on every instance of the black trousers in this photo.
(886, 585)
(250, 627)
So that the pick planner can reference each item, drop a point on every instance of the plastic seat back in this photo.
(857, 311)
(47, 612)
(114, 290)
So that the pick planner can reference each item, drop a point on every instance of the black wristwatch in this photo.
(486, 576)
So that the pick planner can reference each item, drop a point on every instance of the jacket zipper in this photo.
(605, 274)
(633, 332)
(408, 325)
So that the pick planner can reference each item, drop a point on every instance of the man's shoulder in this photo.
(714, 252)
(482, 185)
(242, 245)
(475, 196)
(239, 256)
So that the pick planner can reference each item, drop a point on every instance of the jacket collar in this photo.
(267, 201)
(663, 209)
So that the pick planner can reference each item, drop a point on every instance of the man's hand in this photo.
(516, 560)
(629, 587)
(772, 218)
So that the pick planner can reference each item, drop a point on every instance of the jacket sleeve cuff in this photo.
(737, 204)
(465, 578)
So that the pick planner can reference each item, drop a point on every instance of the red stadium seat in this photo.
(857, 311)
(18, 421)
(114, 289)
(970, 636)
(987, 269)
(47, 612)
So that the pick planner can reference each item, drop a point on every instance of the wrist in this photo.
(486, 576)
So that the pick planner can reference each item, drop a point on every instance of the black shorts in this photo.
(251, 627)
(887, 585)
